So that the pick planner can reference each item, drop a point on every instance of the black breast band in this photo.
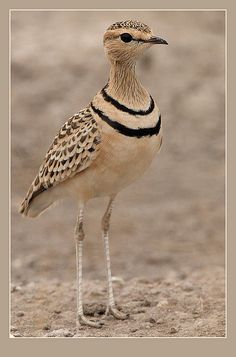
(125, 109)
(124, 130)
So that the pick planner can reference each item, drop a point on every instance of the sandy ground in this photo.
(167, 234)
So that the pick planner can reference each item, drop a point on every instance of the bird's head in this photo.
(125, 41)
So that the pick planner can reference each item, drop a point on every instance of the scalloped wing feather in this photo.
(73, 150)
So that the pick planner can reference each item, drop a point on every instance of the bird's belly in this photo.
(121, 161)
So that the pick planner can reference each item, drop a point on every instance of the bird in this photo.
(103, 148)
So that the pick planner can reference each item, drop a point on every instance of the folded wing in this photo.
(73, 150)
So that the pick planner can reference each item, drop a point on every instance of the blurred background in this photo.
(171, 221)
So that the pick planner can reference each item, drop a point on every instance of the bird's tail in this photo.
(33, 204)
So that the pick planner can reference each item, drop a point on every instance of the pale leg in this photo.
(111, 308)
(79, 237)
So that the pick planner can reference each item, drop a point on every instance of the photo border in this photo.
(138, 342)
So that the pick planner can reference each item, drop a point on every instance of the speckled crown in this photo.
(130, 24)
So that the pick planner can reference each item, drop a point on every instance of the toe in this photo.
(118, 314)
(84, 321)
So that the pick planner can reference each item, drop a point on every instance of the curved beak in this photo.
(157, 40)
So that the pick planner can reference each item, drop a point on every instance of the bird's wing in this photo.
(73, 150)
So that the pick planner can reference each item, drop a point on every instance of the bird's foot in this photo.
(82, 320)
(112, 310)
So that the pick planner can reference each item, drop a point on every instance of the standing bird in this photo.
(104, 147)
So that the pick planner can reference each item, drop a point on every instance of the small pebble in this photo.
(17, 334)
(162, 303)
(139, 311)
(57, 312)
(13, 329)
(200, 324)
(173, 330)
(155, 291)
(188, 287)
(15, 288)
(117, 279)
(60, 333)
(146, 303)
(152, 320)
(95, 294)
(133, 329)
(20, 314)
(46, 328)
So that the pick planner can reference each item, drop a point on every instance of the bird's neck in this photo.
(124, 86)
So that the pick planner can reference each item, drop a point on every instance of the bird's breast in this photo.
(129, 143)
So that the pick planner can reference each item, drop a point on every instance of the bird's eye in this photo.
(126, 37)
